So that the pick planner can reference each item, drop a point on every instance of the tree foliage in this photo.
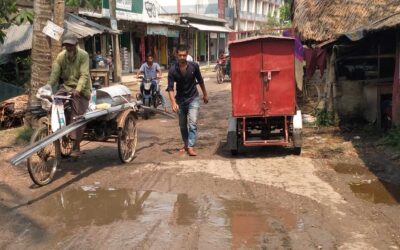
(9, 14)
(284, 19)
(88, 4)
(285, 12)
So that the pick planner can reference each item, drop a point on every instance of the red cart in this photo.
(263, 94)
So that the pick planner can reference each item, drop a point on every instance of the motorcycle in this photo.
(149, 96)
(223, 68)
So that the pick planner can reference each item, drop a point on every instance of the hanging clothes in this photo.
(163, 50)
(298, 57)
(314, 58)
(298, 62)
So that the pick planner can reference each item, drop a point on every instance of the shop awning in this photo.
(207, 27)
(83, 27)
(19, 38)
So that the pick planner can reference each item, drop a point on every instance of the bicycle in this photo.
(43, 165)
(311, 98)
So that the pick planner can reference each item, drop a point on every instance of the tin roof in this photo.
(261, 37)
(83, 27)
(18, 38)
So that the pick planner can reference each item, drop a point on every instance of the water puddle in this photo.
(92, 205)
(348, 168)
(377, 192)
(226, 223)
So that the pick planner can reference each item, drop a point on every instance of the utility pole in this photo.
(178, 6)
(236, 10)
(58, 18)
(115, 38)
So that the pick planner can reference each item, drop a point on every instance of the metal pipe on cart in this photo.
(82, 120)
(162, 112)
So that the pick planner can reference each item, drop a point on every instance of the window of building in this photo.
(259, 7)
(243, 5)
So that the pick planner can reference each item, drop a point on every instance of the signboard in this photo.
(172, 33)
(53, 30)
(157, 30)
(124, 4)
(213, 35)
(139, 10)
(113, 23)
(132, 6)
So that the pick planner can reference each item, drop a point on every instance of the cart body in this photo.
(263, 93)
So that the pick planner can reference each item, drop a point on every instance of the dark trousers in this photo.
(79, 106)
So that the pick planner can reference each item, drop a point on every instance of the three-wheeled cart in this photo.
(263, 94)
(115, 123)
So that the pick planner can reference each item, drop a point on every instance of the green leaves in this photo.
(23, 17)
(89, 4)
(9, 14)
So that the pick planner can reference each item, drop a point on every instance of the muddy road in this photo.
(342, 192)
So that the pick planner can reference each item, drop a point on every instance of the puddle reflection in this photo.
(348, 168)
(377, 192)
(99, 206)
(237, 224)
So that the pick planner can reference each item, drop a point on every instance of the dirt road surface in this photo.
(340, 193)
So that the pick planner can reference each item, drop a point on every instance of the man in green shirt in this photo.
(70, 74)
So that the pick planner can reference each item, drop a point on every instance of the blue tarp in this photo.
(8, 90)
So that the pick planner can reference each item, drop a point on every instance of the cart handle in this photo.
(267, 74)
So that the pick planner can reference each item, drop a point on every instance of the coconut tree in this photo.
(41, 48)
(59, 11)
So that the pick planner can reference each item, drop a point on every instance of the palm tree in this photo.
(41, 48)
(58, 10)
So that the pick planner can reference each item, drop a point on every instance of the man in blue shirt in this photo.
(186, 75)
(151, 70)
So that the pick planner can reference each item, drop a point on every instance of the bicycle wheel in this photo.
(127, 140)
(220, 75)
(311, 97)
(43, 164)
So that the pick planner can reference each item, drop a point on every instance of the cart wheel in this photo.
(127, 139)
(220, 75)
(66, 146)
(43, 164)
(235, 152)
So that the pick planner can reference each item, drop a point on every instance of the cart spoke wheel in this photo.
(43, 164)
(66, 146)
(127, 140)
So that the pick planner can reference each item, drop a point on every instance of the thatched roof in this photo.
(322, 20)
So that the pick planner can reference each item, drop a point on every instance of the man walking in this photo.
(71, 69)
(186, 75)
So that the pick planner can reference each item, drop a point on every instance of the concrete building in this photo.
(253, 13)
(250, 14)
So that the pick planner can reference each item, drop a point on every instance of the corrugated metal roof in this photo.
(83, 27)
(18, 38)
